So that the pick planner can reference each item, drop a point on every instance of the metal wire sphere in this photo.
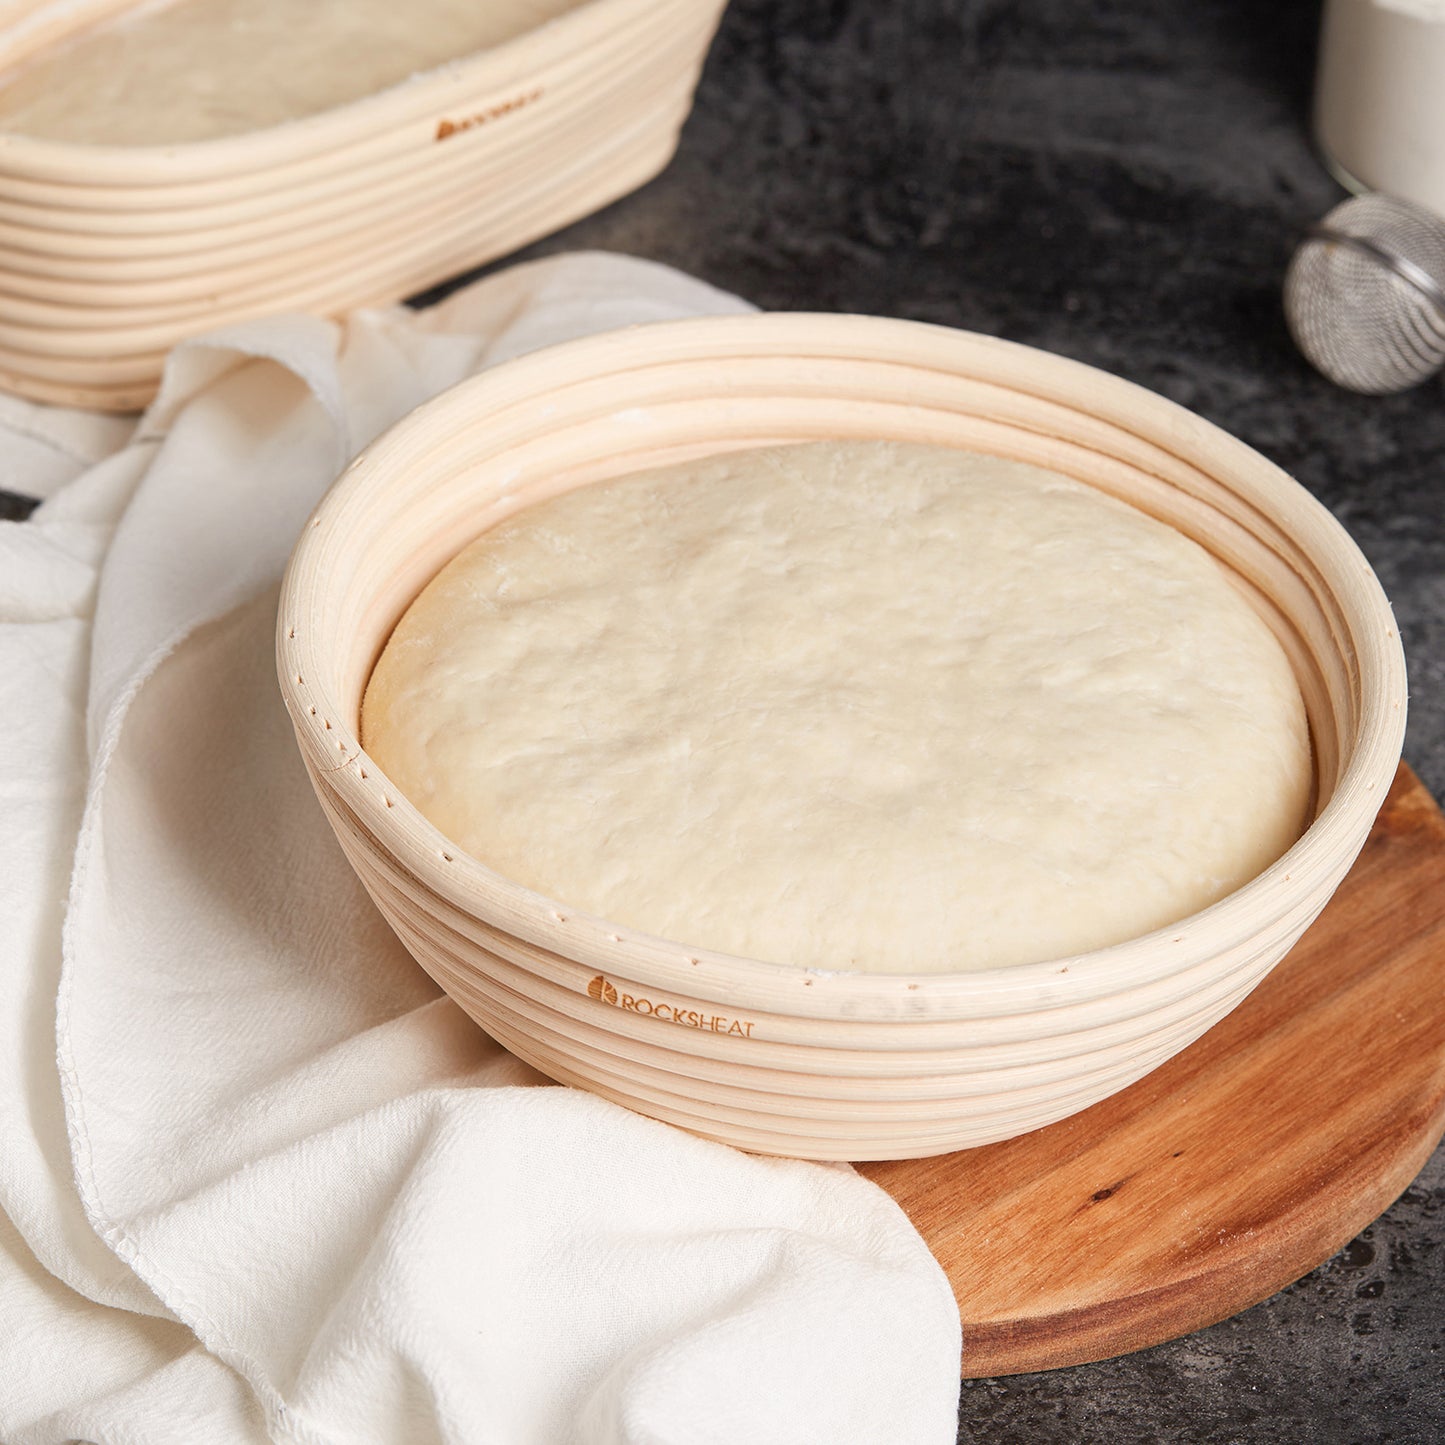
(1364, 295)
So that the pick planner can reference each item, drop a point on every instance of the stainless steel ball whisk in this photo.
(1364, 295)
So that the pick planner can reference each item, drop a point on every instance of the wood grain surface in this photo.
(1235, 1168)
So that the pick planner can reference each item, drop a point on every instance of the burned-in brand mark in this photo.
(601, 990)
(605, 991)
(449, 127)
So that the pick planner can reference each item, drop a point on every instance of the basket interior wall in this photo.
(467, 479)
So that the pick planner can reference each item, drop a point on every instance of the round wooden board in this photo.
(1239, 1165)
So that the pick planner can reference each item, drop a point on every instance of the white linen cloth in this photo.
(258, 1179)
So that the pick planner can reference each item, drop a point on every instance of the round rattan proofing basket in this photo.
(770, 1057)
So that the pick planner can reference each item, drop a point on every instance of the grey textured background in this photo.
(1122, 183)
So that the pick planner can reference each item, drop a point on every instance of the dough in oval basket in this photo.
(849, 705)
(195, 70)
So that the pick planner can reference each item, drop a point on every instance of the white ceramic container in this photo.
(1380, 97)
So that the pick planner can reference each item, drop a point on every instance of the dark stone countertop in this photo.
(1120, 183)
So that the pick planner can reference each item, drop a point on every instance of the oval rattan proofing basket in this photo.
(111, 255)
(773, 1058)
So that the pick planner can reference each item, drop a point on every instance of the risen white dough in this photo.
(196, 69)
(849, 706)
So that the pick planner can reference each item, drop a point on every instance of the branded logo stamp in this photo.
(447, 128)
(601, 990)
(605, 991)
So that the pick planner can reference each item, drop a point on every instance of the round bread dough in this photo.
(195, 70)
(849, 706)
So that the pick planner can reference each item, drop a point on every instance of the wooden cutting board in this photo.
(1235, 1168)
